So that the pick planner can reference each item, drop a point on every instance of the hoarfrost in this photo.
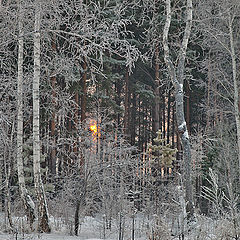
(185, 135)
(182, 126)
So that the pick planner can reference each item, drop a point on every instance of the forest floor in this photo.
(90, 229)
(45, 237)
(94, 228)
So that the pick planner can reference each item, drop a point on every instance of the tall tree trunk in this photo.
(8, 163)
(118, 99)
(83, 99)
(126, 104)
(133, 119)
(7, 198)
(25, 197)
(156, 108)
(145, 127)
(173, 127)
(75, 144)
(82, 160)
(139, 122)
(215, 87)
(188, 106)
(84, 92)
(53, 80)
(235, 86)
(208, 94)
(164, 119)
(43, 218)
(168, 116)
(177, 77)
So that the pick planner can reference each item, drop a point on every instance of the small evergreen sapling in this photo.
(162, 152)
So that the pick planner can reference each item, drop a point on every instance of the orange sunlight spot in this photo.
(94, 129)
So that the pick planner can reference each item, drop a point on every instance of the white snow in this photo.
(185, 135)
(89, 229)
(180, 127)
(43, 237)
(202, 228)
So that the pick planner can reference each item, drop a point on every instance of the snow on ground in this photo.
(37, 236)
(93, 229)
(90, 229)
(49, 237)
(53, 236)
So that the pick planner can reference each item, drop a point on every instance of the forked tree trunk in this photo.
(25, 197)
(43, 218)
(176, 74)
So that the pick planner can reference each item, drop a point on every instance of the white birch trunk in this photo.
(177, 77)
(235, 86)
(43, 218)
(27, 201)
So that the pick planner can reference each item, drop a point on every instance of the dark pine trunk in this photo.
(127, 106)
(52, 163)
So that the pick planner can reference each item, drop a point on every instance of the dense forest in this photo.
(123, 111)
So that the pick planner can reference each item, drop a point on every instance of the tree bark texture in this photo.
(188, 106)
(133, 119)
(25, 197)
(76, 113)
(84, 92)
(127, 105)
(43, 218)
(168, 116)
(164, 118)
(177, 77)
(156, 108)
(53, 152)
(118, 89)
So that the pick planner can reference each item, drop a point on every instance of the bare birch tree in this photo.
(27, 201)
(176, 73)
(43, 218)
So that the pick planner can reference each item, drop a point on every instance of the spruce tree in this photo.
(162, 152)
